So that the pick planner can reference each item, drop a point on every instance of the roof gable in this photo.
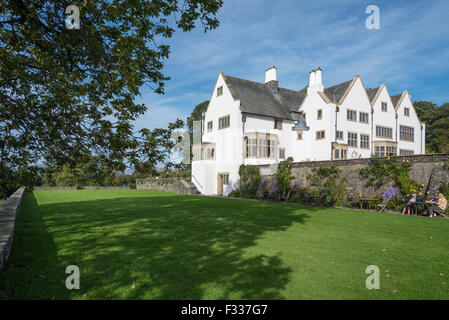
(337, 92)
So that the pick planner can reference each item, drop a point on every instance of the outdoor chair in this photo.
(306, 197)
(383, 205)
(356, 200)
(333, 200)
(323, 200)
(442, 207)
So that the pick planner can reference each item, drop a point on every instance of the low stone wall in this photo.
(180, 186)
(426, 169)
(8, 213)
(83, 188)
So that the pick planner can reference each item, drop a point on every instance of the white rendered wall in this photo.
(358, 101)
(228, 142)
(411, 121)
(382, 118)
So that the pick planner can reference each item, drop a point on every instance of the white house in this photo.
(248, 122)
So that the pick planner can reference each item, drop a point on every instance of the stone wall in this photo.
(180, 186)
(8, 213)
(83, 188)
(426, 169)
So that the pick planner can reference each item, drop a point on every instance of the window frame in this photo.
(383, 103)
(279, 122)
(319, 114)
(220, 122)
(367, 142)
(406, 112)
(367, 117)
(352, 111)
(342, 135)
(383, 127)
(322, 136)
(403, 134)
(356, 145)
(219, 91)
(211, 126)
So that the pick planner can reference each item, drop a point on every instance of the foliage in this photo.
(249, 180)
(445, 191)
(340, 192)
(67, 94)
(437, 121)
(283, 176)
(325, 178)
(382, 171)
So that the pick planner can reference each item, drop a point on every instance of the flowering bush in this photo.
(390, 193)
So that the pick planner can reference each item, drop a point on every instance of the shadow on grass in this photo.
(167, 246)
(33, 270)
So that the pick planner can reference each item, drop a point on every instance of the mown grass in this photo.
(137, 244)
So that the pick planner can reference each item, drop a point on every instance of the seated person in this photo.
(410, 204)
(433, 205)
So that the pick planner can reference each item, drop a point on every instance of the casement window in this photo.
(352, 139)
(351, 115)
(299, 136)
(281, 153)
(319, 114)
(340, 153)
(219, 91)
(278, 124)
(404, 152)
(382, 149)
(407, 133)
(251, 148)
(320, 135)
(384, 132)
(384, 107)
(226, 179)
(210, 154)
(209, 126)
(266, 148)
(364, 141)
(340, 135)
(224, 122)
(363, 117)
(407, 112)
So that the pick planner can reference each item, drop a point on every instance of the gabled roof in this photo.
(259, 99)
(395, 99)
(372, 93)
(335, 93)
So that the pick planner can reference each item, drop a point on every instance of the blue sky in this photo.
(409, 51)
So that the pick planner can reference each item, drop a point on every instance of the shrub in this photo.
(249, 180)
(382, 171)
(283, 174)
(325, 178)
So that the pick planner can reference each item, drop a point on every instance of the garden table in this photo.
(368, 201)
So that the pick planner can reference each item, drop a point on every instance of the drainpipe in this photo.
(396, 116)
(421, 137)
(243, 137)
(337, 110)
(372, 130)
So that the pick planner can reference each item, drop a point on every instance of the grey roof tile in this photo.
(395, 99)
(371, 93)
(258, 98)
(335, 93)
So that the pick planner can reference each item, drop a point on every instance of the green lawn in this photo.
(137, 244)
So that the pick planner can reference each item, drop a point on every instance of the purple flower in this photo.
(390, 193)
(276, 189)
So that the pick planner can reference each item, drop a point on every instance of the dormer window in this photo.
(219, 91)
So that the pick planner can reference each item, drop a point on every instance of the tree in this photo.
(196, 114)
(68, 94)
(437, 121)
